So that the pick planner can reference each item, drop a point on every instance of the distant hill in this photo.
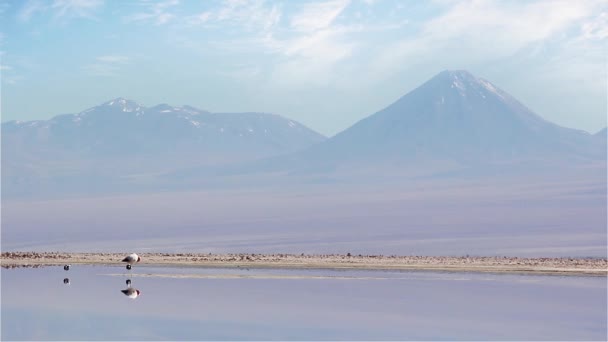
(122, 139)
(122, 127)
(602, 133)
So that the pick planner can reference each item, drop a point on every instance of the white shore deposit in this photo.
(564, 266)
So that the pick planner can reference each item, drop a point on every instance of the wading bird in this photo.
(131, 259)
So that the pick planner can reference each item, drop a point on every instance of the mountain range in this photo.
(453, 119)
(122, 127)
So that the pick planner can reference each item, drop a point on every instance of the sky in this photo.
(326, 64)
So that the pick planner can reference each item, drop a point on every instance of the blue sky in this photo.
(326, 64)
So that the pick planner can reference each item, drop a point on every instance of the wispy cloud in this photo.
(108, 65)
(241, 26)
(8, 73)
(76, 8)
(61, 9)
(316, 46)
(11, 79)
(597, 27)
(198, 19)
(317, 15)
(4, 6)
(156, 12)
(370, 2)
(248, 15)
(30, 8)
(511, 23)
(306, 42)
(473, 31)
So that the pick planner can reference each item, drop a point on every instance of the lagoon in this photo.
(190, 303)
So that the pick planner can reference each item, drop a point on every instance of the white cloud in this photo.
(30, 8)
(108, 65)
(252, 25)
(198, 19)
(8, 74)
(75, 8)
(316, 45)
(508, 23)
(305, 48)
(596, 28)
(156, 12)
(12, 79)
(475, 31)
(250, 15)
(61, 9)
(316, 16)
(4, 6)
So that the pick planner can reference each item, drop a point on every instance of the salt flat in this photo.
(565, 266)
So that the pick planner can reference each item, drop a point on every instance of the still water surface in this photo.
(180, 303)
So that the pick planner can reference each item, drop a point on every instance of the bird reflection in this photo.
(129, 291)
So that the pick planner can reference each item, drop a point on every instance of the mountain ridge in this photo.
(455, 125)
(146, 129)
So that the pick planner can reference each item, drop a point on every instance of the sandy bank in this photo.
(564, 266)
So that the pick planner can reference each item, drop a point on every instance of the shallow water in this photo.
(269, 304)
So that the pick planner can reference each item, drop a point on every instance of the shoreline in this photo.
(554, 266)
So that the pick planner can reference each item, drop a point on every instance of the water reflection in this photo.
(129, 291)
(299, 305)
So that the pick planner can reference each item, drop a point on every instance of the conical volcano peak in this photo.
(462, 74)
(462, 78)
(466, 84)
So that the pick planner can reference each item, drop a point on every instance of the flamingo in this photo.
(131, 259)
